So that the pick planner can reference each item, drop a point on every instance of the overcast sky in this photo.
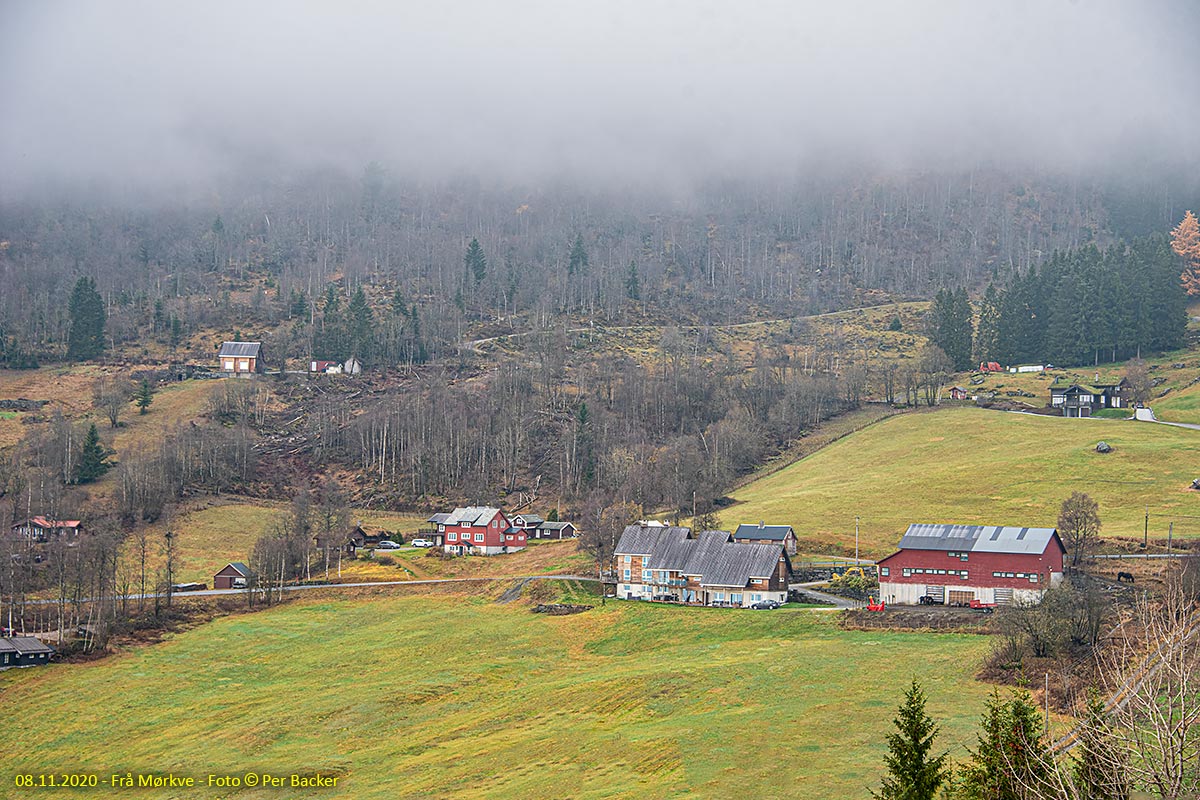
(137, 92)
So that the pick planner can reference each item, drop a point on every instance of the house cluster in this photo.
(961, 564)
(351, 366)
(488, 531)
(712, 568)
(1083, 399)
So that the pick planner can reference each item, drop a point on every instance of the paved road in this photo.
(1122, 556)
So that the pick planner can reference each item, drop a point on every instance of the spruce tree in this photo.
(913, 772)
(578, 262)
(93, 461)
(475, 261)
(1011, 755)
(987, 337)
(633, 284)
(86, 338)
(361, 324)
(145, 396)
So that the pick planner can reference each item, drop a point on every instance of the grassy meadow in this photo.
(976, 466)
(457, 696)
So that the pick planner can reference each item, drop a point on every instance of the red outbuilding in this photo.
(956, 564)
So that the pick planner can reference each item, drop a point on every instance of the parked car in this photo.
(387, 545)
(421, 543)
(766, 605)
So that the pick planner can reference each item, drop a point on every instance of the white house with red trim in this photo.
(957, 564)
(479, 530)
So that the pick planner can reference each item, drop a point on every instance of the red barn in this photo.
(480, 530)
(955, 564)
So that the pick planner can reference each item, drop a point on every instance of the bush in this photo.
(387, 561)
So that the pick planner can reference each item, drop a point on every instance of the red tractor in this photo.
(873, 606)
(986, 608)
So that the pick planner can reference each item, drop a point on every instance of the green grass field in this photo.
(977, 466)
(456, 696)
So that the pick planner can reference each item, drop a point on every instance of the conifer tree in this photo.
(86, 338)
(987, 336)
(913, 772)
(633, 284)
(93, 461)
(1011, 757)
(145, 396)
(475, 261)
(361, 323)
(578, 262)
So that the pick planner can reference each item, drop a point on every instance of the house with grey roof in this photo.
(478, 530)
(671, 564)
(763, 533)
(240, 358)
(959, 564)
(24, 651)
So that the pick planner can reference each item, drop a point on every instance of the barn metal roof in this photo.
(712, 556)
(977, 538)
(240, 349)
(775, 533)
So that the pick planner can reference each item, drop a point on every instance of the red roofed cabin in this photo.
(480, 530)
(39, 529)
(956, 564)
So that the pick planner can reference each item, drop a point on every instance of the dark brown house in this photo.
(232, 576)
(24, 651)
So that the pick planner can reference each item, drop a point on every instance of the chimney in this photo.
(1097, 377)
(761, 523)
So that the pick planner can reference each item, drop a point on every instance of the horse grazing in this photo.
(1124, 577)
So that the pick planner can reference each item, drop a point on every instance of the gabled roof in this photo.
(530, 519)
(472, 516)
(776, 533)
(240, 349)
(555, 526)
(24, 644)
(43, 522)
(440, 518)
(978, 538)
(711, 556)
(238, 567)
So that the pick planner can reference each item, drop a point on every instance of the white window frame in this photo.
(479, 537)
(884, 571)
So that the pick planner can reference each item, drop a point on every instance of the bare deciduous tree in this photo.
(1079, 525)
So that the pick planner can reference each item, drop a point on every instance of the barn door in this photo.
(1004, 596)
(960, 598)
(938, 593)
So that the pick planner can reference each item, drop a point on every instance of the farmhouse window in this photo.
(452, 536)
(997, 574)
(907, 572)
(493, 523)
(754, 597)
(626, 575)
(883, 571)
(1033, 578)
(479, 537)
(963, 574)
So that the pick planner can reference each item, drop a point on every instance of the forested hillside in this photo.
(255, 256)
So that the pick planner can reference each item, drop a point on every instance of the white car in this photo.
(387, 545)
(421, 543)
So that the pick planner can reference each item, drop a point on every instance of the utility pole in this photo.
(1146, 530)
(856, 541)
(1170, 531)
(1046, 697)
